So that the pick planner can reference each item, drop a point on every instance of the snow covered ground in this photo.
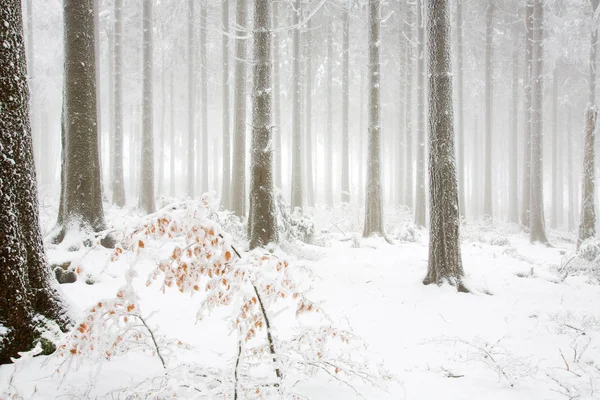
(528, 330)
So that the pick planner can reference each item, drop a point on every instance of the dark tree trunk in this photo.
(262, 221)
(81, 199)
(445, 263)
(460, 130)
(374, 197)
(26, 284)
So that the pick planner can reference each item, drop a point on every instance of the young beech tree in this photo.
(81, 192)
(262, 220)
(445, 264)
(118, 181)
(296, 195)
(374, 201)
(147, 159)
(27, 291)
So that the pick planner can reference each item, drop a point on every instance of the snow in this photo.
(510, 338)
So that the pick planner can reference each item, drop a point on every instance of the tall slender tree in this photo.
(204, 93)
(239, 134)
(226, 171)
(420, 201)
(345, 101)
(308, 153)
(513, 200)
(526, 198)
(262, 221)
(118, 181)
(460, 124)
(537, 226)
(489, 98)
(278, 132)
(374, 198)
(297, 197)
(147, 148)
(191, 113)
(26, 288)
(445, 263)
(408, 101)
(328, 153)
(587, 227)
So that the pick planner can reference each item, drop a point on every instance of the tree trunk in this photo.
(310, 186)
(570, 174)
(537, 225)
(111, 108)
(239, 139)
(408, 118)
(556, 185)
(163, 125)
(147, 148)
(204, 94)
(526, 199)
(513, 201)
(460, 125)
(26, 285)
(173, 135)
(445, 263)
(296, 195)
(81, 199)
(98, 53)
(374, 199)
(191, 114)
(263, 226)
(226, 173)
(345, 103)
(328, 153)
(489, 93)
(587, 227)
(278, 132)
(118, 183)
(420, 201)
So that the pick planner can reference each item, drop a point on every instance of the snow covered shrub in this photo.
(294, 225)
(409, 232)
(500, 241)
(589, 249)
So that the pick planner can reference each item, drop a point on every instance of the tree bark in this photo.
(277, 98)
(513, 187)
(460, 129)
(328, 153)
(374, 198)
(526, 199)
(408, 117)
(310, 186)
(445, 263)
(27, 288)
(263, 226)
(489, 94)
(345, 102)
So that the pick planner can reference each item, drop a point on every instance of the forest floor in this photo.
(529, 329)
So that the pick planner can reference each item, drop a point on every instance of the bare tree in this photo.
(420, 200)
(277, 97)
(118, 182)
(536, 224)
(147, 153)
(587, 227)
(296, 195)
(204, 93)
(556, 217)
(308, 149)
(570, 173)
(374, 199)
(26, 287)
(262, 220)
(328, 153)
(408, 113)
(445, 263)
(239, 134)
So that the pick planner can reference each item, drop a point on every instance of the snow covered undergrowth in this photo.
(527, 330)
